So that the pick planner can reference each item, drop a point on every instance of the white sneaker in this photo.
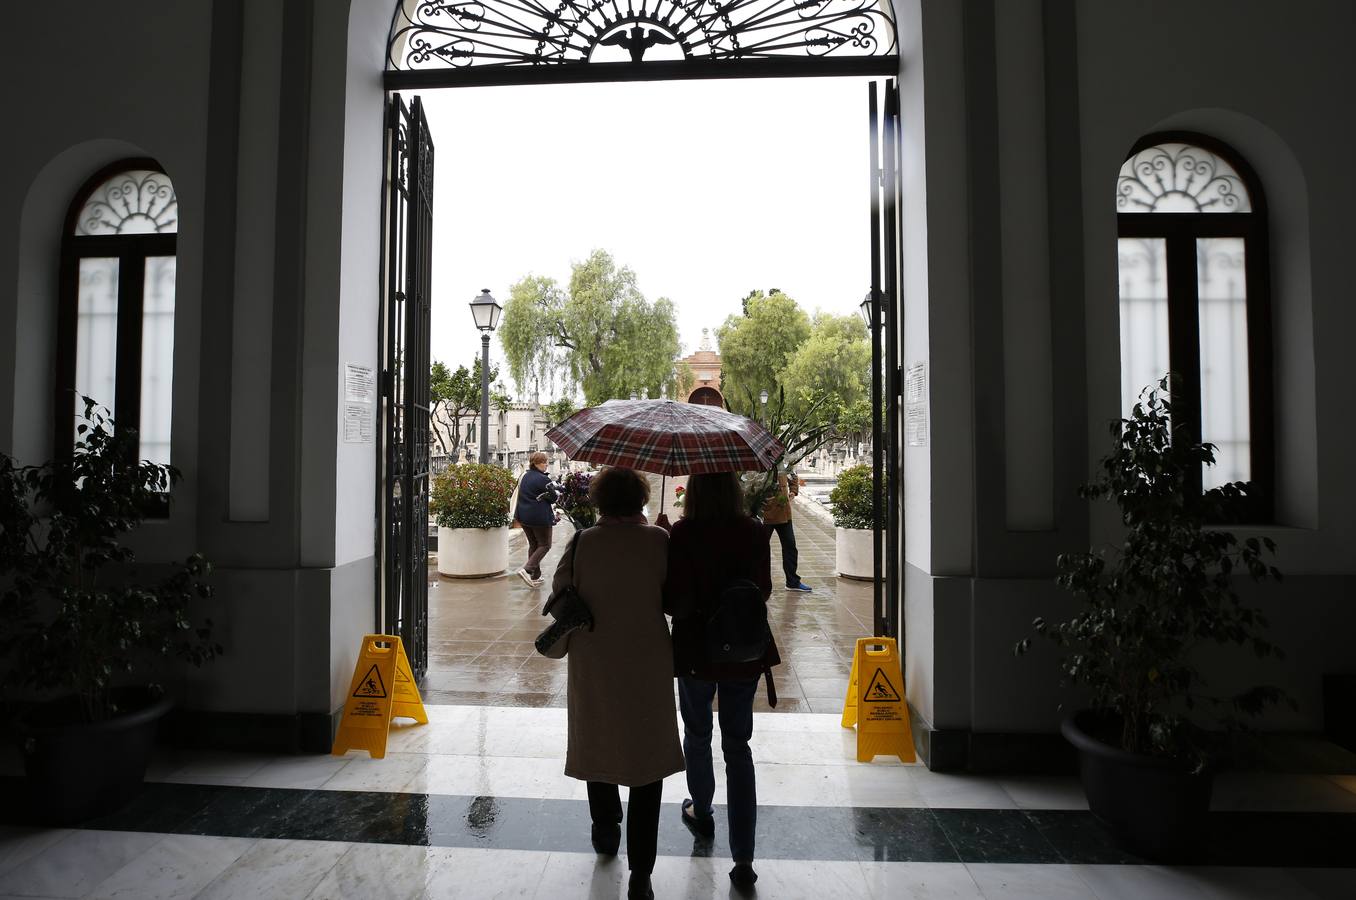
(539, 582)
(522, 573)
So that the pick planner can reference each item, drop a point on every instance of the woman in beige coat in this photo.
(622, 726)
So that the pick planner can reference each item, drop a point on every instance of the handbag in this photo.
(571, 614)
(513, 503)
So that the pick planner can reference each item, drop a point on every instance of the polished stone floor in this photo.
(481, 630)
(475, 804)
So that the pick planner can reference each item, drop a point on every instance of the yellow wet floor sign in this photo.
(383, 688)
(875, 701)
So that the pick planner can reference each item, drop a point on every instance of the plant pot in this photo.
(472, 552)
(78, 770)
(853, 552)
(1155, 807)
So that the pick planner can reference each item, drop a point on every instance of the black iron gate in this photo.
(403, 411)
(886, 310)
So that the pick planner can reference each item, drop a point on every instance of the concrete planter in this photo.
(472, 552)
(853, 551)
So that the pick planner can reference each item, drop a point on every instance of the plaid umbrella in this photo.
(666, 438)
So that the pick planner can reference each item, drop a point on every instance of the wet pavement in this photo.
(481, 630)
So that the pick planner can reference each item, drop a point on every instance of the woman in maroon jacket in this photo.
(713, 544)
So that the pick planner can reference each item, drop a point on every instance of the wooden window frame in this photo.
(132, 252)
(1179, 231)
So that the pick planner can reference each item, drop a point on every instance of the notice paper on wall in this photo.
(916, 405)
(360, 385)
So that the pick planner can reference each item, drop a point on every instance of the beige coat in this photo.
(623, 728)
(777, 510)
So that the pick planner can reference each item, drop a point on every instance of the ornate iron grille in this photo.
(403, 458)
(470, 34)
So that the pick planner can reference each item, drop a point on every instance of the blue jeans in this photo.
(736, 727)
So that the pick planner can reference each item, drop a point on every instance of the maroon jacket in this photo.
(703, 558)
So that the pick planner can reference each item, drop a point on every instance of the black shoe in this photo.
(607, 839)
(743, 876)
(639, 887)
(701, 826)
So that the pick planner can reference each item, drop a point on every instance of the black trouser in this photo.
(790, 556)
(642, 819)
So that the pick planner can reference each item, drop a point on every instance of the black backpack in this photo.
(737, 630)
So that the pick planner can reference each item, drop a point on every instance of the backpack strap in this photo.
(771, 688)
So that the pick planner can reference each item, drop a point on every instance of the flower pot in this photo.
(853, 551)
(472, 552)
(1155, 807)
(78, 770)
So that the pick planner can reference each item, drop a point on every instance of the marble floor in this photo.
(475, 804)
(481, 630)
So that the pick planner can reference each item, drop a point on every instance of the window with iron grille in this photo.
(1194, 300)
(115, 329)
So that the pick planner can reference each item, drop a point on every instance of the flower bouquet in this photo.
(679, 494)
(573, 500)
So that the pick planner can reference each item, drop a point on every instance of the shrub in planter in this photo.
(1148, 607)
(70, 627)
(472, 495)
(850, 498)
(470, 504)
(852, 508)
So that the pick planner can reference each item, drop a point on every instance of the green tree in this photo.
(454, 397)
(684, 380)
(756, 346)
(558, 411)
(835, 362)
(601, 333)
(853, 422)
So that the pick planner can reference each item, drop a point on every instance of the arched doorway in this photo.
(443, 44)
(707, 396)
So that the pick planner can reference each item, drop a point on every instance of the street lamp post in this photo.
(485, 310)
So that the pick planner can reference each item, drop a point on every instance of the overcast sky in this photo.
(706, 189)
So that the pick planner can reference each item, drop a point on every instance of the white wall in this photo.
(62, 132)
(1103, 87)
(245, 104)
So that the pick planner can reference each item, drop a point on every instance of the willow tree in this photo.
(600, 335)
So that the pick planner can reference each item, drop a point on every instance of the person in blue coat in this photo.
(536, 516)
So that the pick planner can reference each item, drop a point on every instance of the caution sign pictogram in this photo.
(880, 690)
(875, 705)
(370, 707)
(371, 685)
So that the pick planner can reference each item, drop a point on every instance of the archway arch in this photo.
(482, 42)
(706, 396)
(478, 43)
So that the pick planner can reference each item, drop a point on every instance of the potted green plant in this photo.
(76, 621)
(470, 504)
(1147, 609)
(853, 512)
(800, 434)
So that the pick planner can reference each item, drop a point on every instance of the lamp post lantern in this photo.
(866, 309)
(762, 400)
(485, 310)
